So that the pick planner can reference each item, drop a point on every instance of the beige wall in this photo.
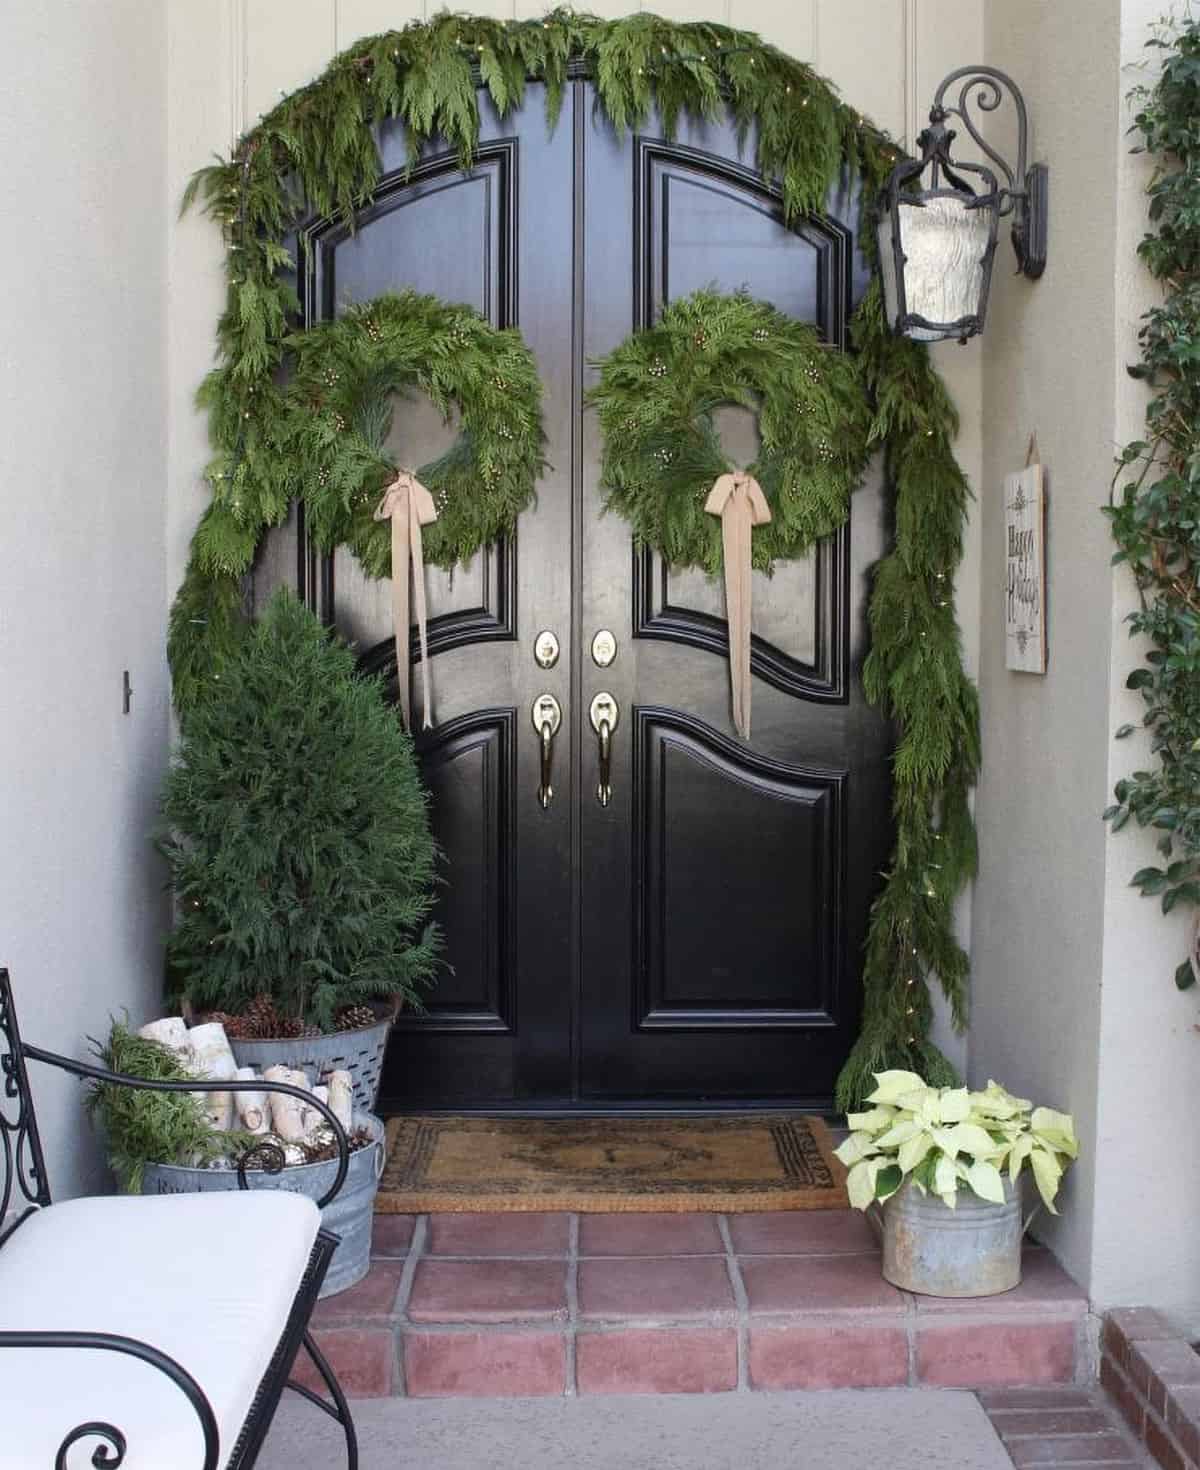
(1148, 1173)
(1048, 367)
(82, 471)
(1073, 998)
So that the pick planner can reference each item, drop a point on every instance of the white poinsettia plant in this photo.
(944, 1137)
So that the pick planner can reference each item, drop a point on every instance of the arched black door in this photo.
(697, 941)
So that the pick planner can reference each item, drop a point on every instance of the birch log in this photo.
(171, 1032)
(288, 1114)
(318, 1127)
(252, 1111)
(214, 1059)
(341, 1097)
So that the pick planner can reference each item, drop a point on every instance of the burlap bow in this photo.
(409, 506)
(738, 499)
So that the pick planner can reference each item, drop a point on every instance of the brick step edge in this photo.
(537, 1360)
(1153, 1375)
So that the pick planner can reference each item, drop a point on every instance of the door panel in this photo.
(725, 889)
(470, 768)
(690, 197)
(697, 941)
(498, 1025)
(699, 902)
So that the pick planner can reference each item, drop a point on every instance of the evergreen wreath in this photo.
(337, 413)
(316, 152)
(322, 439)
(656, 398)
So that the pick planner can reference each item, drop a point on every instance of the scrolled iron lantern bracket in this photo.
(940, 218)
(1027, 204)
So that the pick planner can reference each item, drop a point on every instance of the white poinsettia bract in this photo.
(945, 1137)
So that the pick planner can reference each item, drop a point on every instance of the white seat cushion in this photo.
(208, 1279)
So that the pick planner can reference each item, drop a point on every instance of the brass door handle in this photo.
(547, 717)
(604, 716)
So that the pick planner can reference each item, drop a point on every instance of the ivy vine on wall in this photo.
(1155, 516)
(316, 153)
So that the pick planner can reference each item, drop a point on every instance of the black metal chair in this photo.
(24, 1188)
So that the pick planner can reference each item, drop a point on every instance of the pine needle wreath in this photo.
(316, 153)
(657, 395)
(337, 414)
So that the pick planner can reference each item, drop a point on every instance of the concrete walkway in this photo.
(900, 1429)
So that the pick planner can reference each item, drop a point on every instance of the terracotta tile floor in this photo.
(536, 1304)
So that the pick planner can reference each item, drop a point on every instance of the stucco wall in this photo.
(1048, 356)
(1073, 1000)
(82, 574)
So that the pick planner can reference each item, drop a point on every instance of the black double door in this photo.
(696, 941)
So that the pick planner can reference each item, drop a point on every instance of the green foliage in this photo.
(914, 673)
(321, 439)
(1155, 514)
(819, 413)
(297, 833)
(316, 153)
(337, 414)
(206, 629)
(152, 1127)
(656, 398)
(944, 1137)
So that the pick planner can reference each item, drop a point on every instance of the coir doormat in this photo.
(596, 1164)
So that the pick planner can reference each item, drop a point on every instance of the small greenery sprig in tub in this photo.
(944, 1137)
(153, 1127)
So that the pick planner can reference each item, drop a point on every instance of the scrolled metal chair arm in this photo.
(111, 1456)
(271, 1159)
(144, 1084)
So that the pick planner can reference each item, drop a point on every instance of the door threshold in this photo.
(622, 1108)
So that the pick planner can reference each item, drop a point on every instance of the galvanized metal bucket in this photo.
(358, 1052)
(972, 1250)
(349, 1216)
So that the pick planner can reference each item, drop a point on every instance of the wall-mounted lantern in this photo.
(941, 217)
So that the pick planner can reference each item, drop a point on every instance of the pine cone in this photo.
(259, 1018)
(355, 1018)
(261, 1021)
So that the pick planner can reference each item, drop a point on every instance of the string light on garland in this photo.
(284, 170)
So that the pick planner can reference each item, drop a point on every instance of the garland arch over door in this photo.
(698, 941)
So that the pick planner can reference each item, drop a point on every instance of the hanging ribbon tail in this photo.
(409, 506)
(739, 501)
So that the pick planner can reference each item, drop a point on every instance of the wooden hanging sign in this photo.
(1025, 568)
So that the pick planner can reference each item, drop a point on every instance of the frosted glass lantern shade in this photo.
(946, 248)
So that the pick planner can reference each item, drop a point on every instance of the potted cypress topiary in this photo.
(297, 838)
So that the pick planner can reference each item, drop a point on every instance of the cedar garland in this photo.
(914, 673)
(315, 153)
